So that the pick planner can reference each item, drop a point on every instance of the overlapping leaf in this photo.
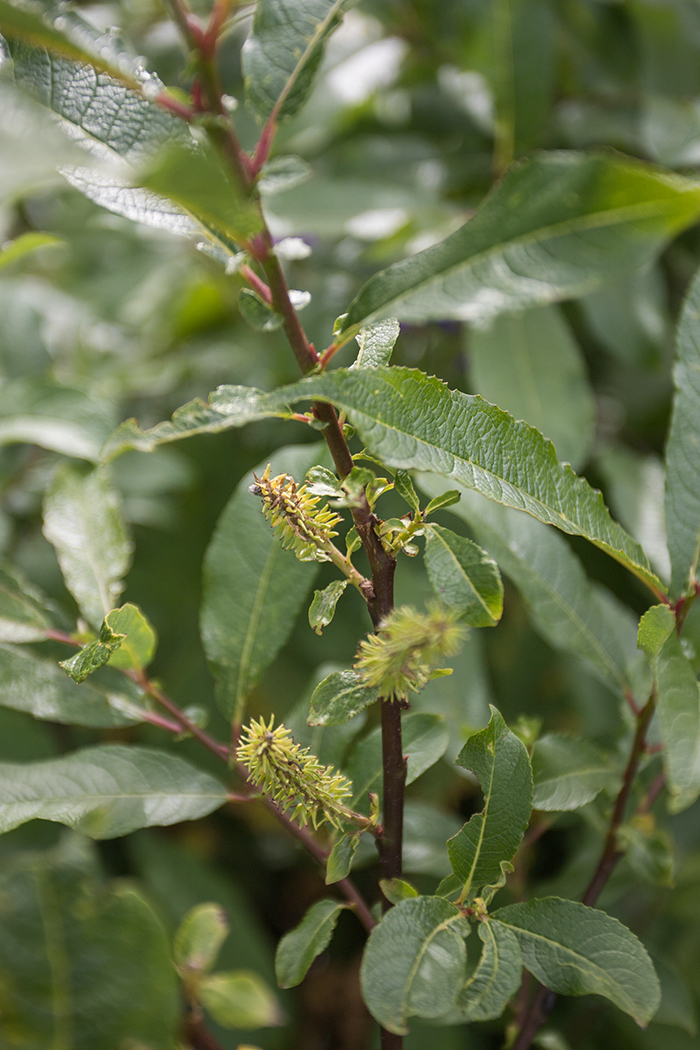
(678, 708)
(497, 977)
(464, 576)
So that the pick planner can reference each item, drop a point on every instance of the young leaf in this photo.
(405, 488)
(83, 520)
(655, 626)
(464, 577)
(199, 938)
(555, 227)
(340, 858)
(678, 709)
(569, 772)
(322, 608)
(93, 655)
(239, 999)
(397, 890)
(682, 491)
(23, 611)
(281, 56)
(139, 644)
(254, 310)
(339, 697)
(107, 791)
(575, 950)
(298, 948)
(443, 501)
(501, 764)
(25, 244)
(376, 343)
(497, 976)
(414, 962)
(253, 589)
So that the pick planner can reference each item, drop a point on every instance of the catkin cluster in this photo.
(297, 519)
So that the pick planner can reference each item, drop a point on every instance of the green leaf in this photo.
(424, 740)
(228, 406)
(376, 343)
(678, 709)
(82, 963)
(23, 610)
(400, 413)
(446, 499)
(339, 697)
(655, 626)
(260, 316)
(569, 610)
(575, 950)
(405, 488)
(107, 791)
(397, 890)
(464, 577)
(139, 645)
(39, 411)
(530, 365)
(555, 227)
(414, 962)
(253, 589)
(426, 829)
(93, 655)
(298, 948)
(497, 977)
(25, 244)
(38, 686)
(322, 608)
(341, 856)
(281, 56)
(281, 173)
(83, 520)
(239, 999)
(501, 764)
(682, 490)
(569, 772)
(199, 937)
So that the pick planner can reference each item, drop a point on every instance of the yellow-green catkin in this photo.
(297, 519)
(292, 776)
(398, 659)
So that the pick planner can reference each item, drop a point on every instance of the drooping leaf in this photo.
(569, 772)
(199, 937)
(414, 962)
(322, 608)
(339, 697)
(23, 610)
(464, 577)
(340, 858)
(298, 948)
(93, 655)
(575, 950)
(497, 977)
(107, 791)
(682, 490)
(281, 56)
(239, 999)
(139, 644)
(83, 521)
(678, 707)
(376, 343)
(253, 589)
(654, 628)
(555, 227)
(499, 760)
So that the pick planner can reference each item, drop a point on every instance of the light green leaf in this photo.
(298, 948)
(530, 365)
(464, 577)
(340, 858)
(569, 610)
(414, 962)
(339, 697)
(25, 244)
(40, 411)
(83, 520)
(683, 448)
(253, 589)
(23, 610)
(139, 645)
(199, 937)
(281, 56)
(38, 686)
(569, 772)
(239, 999)
(501, 764)
(678, 709)
(281, 173)
(556, 226)
(397, 890)
(654, 628)
(405, 488)
(108, 791)
(400, 413)
(497, 977)
(93, 655)
(576, 950)
(443, 501)
(376, 343)
(260, 316)
(70, 944)
(322, 608)
(424, 740)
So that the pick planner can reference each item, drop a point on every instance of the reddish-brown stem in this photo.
(256, 284)
(197, 1036)
(173, 105)
(652, 794)
(216, 748)
(390, 841)
(328, 355)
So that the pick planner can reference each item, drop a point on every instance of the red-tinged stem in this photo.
(328, 355)
(220, 750)
(256, 284)
(197, 1036)
(173, 105)
(652, 794)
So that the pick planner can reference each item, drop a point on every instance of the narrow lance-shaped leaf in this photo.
(104, 792)
(678, 708)
(575, 950)
(298, 948)
(414, 962)
(497, 977)
(555, 227)
(464, 577)
(501, 764)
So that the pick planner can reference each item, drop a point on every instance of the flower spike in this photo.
(293, 512)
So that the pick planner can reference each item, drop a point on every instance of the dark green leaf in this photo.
(199, 937)
(426, 829)
(322, 608)
(497, 977)
(414, 962)
(339, 697)
(405, 488)
(298, 948)
(501, 764)
(340, 858)
(569, 772)
(576, 950)
(93, 655)
(464, 577)
(678, 708)
(376, 343)
(239, 999)
(23, 611)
